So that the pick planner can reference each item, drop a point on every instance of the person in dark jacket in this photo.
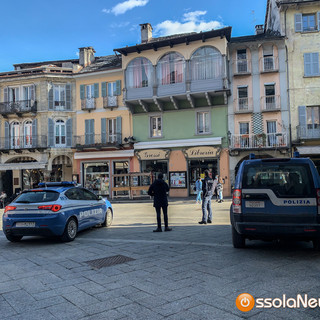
(159, 191)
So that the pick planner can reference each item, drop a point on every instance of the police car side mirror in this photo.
(99, 198)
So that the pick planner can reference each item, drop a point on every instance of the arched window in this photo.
(171, 69)
(139, 73)
(60, 133)
(206, 63)
(27, 134)
(15, 134)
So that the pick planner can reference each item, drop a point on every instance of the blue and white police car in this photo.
(276, 198)
(55, 209)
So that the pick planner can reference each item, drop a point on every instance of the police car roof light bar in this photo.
(296, 154)
(252, 156)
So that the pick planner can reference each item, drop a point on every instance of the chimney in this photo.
(146, 32)
(259, 29)
(86, 56)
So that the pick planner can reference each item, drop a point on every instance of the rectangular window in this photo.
(242, 63)
(313, 117)
(243, 98)
(271, 131)
(203, 122)
(311, 64)
(244, 134)
(155, 126)
(270, 99)
(309, 22)
(112, 130)
(59, 96)
(14, 94)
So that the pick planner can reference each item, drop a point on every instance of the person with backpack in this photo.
(208, 187)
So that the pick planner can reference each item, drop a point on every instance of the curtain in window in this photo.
(170, 69)
(137, 74)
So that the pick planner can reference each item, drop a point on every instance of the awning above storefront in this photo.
(309, 150)
(22, 165)
(104, 154)
(178, 143)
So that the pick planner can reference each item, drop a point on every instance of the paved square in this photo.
(192, 272)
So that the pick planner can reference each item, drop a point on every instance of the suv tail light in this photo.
(318, 200)
(236, 201)
(52, 207)
(9, 208)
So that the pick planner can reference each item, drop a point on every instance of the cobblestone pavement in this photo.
(192, 272)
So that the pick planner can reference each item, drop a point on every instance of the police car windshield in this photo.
(37, 196)
(294, 180)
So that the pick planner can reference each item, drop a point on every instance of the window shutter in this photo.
(96, 90)
(315, 63)
(118, 87)
(298, 22)
(6, 135)
(32, 92)
(35, 133)
(68, 96)
(307, 64)
(103, 130)
(5, 94)
(103, 89)
(51, 132)
(18, 94)
(302, 120)
(318, 19)
(50, 96)
(82, 91)
(89, 131)
(69, 133)
(119, 130)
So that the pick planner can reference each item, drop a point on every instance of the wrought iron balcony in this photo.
(308, 132)
(257, 141)
(21, 106)
(98, 141)
(270, 103)
(110, 102)
(88, 104)
(23, 142)
(269, 64)
(241, 66)
(243, 105)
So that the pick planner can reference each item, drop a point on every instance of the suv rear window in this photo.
(286, 180)
(37, 196)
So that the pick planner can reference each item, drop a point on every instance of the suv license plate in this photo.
(254, 204)
(25, 224)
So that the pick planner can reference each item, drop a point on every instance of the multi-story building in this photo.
(258, 109)
(177, 90)
(299, 22)
(37, 120)
(103, 138)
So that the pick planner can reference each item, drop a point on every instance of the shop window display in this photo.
(96, 177)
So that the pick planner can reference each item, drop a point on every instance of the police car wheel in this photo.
(238, 240)
(316, 244)
(70, 231)
(12, 238)
(108, 218)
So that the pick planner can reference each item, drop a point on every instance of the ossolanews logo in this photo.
(245, 302)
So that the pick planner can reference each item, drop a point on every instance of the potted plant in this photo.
(260, 140)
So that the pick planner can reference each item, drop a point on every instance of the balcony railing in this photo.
(98, 140)
(269, 64)
(21, 106)
(270, 103)
(88, 104)
(243, 105)
(23, 142)
(308, 132)
(256, 141)
(241, 66)
(59, 105)
(110, 102)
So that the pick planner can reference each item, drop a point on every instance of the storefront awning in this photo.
(104, 154)
(22, 165)
(309, 150)
(178, 143)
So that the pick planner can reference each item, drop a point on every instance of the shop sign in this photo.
(152, 154)
(202, 152)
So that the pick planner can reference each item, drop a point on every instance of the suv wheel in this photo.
(238, 240)
(316, 244)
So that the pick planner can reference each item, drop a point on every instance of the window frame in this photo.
(157, 116)
(59, 123)
(198, 112)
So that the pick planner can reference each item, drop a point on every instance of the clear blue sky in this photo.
(40, 30)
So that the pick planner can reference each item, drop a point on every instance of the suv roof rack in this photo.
(57, 184)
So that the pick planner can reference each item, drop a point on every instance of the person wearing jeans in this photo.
(198, 190)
